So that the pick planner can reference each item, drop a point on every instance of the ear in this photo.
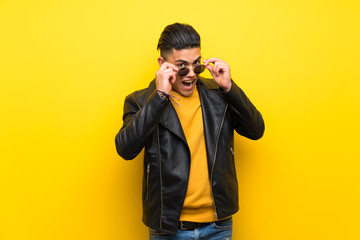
(161, 60)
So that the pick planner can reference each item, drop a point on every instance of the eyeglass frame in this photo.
(187, 70)
(182, 72)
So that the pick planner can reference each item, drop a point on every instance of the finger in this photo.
(172, 78)
(172, 66)
(205, 62)
(209, 67)
(212, 70)
(163, 67)
(169, 70)
(170, 75)
(222, 66)
(167, 65)
(217, 69)
(212, 60)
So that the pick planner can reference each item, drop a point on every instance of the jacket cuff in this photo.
(234, 90)
(160, 101)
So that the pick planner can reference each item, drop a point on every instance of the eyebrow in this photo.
(183, 61)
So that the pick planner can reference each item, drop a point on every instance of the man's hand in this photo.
(165, 76)
(220, 71)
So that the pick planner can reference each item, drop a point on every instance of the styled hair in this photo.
(177, 36)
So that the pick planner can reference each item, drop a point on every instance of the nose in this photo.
(191, 72)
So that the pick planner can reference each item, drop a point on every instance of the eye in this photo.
(181, 65)
(198, 62)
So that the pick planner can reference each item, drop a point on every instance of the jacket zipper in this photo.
(215, 152)
(161, 197)
(147, 180)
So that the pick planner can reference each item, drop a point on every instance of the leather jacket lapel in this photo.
(212, 110)
(213, 107)
(171, 121)
(169, 118)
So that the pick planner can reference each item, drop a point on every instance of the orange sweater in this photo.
(198, 205)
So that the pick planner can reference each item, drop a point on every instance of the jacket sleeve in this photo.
(139, 121)
(248, 120)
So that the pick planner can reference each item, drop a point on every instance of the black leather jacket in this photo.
(151, 122)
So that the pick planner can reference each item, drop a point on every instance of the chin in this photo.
(186, 93)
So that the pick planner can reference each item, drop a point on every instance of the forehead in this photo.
(189, 54)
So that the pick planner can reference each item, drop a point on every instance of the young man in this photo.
(186, 124)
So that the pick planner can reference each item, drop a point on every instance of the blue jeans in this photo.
(213, 231)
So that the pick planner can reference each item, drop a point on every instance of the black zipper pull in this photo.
(147, 181)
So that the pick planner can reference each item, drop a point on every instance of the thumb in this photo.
(209, 67)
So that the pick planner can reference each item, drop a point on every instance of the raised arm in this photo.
(247, 119)
(142, 112)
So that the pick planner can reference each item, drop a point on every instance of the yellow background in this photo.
(66, 67)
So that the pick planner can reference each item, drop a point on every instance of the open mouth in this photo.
(188, 84)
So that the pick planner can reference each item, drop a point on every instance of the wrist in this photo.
(227, 89)
(163, 94)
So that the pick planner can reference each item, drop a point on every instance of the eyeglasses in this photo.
(197, 69)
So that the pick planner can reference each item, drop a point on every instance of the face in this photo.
(184, 58)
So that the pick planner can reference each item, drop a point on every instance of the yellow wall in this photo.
(66, 67)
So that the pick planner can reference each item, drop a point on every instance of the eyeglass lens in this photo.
(184, 71)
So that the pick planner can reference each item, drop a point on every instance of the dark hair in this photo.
(178, 36)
